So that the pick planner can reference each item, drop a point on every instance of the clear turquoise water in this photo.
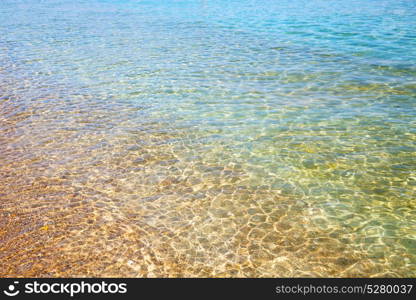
(312, 101)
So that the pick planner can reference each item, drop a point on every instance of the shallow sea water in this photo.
(208, 138)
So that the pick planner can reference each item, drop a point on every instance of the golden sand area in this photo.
(140, 202)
